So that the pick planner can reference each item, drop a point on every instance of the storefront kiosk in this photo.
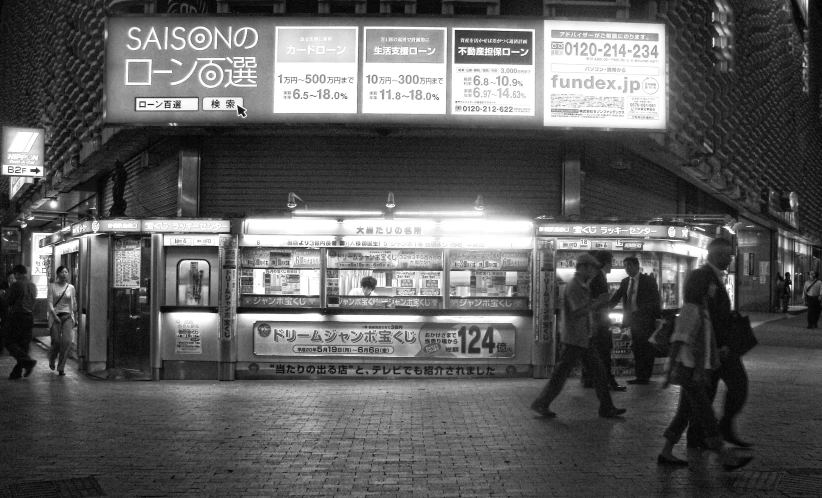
(452, 297)
(666, 252)
(149, 295)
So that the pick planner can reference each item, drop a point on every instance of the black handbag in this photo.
(743, 339)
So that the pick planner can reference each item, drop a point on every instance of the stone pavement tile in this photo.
(426, 438)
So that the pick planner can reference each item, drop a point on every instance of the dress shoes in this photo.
(731, 438)
(29, 367)
(51, 364)
(671, 461)
(15, 376)
(61, 374)
(618, 388)
(612, 412)
(543, 410)
(639, 382)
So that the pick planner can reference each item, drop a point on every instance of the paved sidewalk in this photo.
(387, 438)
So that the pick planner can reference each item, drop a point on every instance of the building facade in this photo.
(738, 158)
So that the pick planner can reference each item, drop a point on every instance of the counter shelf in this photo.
(189, 309)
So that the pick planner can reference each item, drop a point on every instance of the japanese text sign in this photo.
(395, 339)
(613, 231)
(441, 71)
(605, 75)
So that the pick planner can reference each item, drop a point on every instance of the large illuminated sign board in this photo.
(443, 71)
(605, 75)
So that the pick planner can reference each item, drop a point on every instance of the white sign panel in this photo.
(404, 71)
(315, 70)
(23, 151)
(605, 75)
(493, 72)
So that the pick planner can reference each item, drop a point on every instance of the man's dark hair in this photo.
(718, 243)
(370, 282)
(631, 259)
(603, 257)
(20, 269)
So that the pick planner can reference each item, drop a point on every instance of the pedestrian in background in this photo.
(786, 292)
(811, 293)
(576, 332)
(778, 289)
(22, 296)
(639, 295)
(4, 308)
(62, 305)
(602, 341)
(705, 287)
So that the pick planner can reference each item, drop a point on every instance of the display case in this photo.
(273, 277)
(490, 279)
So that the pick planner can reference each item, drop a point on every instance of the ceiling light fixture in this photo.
(390, 203)
(292, 200)
(479, 205)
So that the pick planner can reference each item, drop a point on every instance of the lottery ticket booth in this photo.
(452, 297)
(666, 252)
(148, 295)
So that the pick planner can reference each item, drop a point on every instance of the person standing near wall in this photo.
(62, 305)
(786, 292)
(22, 296)
(639, 295)
(811, 293)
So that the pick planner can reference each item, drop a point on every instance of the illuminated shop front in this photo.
(149, 293)
(452, 297)
(665, 252)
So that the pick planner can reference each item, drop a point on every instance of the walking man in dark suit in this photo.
(639, 295)
(705, 286)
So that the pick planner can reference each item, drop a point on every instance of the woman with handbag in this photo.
(811, 292)
(693, 358)
(62, 304)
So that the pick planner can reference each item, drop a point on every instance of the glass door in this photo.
(130, 331)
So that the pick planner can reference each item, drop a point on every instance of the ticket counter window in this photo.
(402, 278)
(193, 282)
(483, 279)
(279, 277)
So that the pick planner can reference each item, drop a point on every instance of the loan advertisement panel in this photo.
(394, 339)
(605, 75)
(443, 71)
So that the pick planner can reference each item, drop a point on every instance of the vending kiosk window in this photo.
(279, 277)
(404, 278)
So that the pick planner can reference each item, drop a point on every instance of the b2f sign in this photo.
(23, 151)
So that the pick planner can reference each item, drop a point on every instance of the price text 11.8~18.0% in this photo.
(410, 95)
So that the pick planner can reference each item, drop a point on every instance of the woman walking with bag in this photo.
(62, 303)
(693, 358)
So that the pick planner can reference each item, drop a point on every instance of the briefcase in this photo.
(742, 339)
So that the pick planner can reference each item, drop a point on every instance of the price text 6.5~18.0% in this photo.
(321, 94)
(410, 95)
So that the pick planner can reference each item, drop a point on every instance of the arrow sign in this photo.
(20, 170)
(242, 112)
(22, 151)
